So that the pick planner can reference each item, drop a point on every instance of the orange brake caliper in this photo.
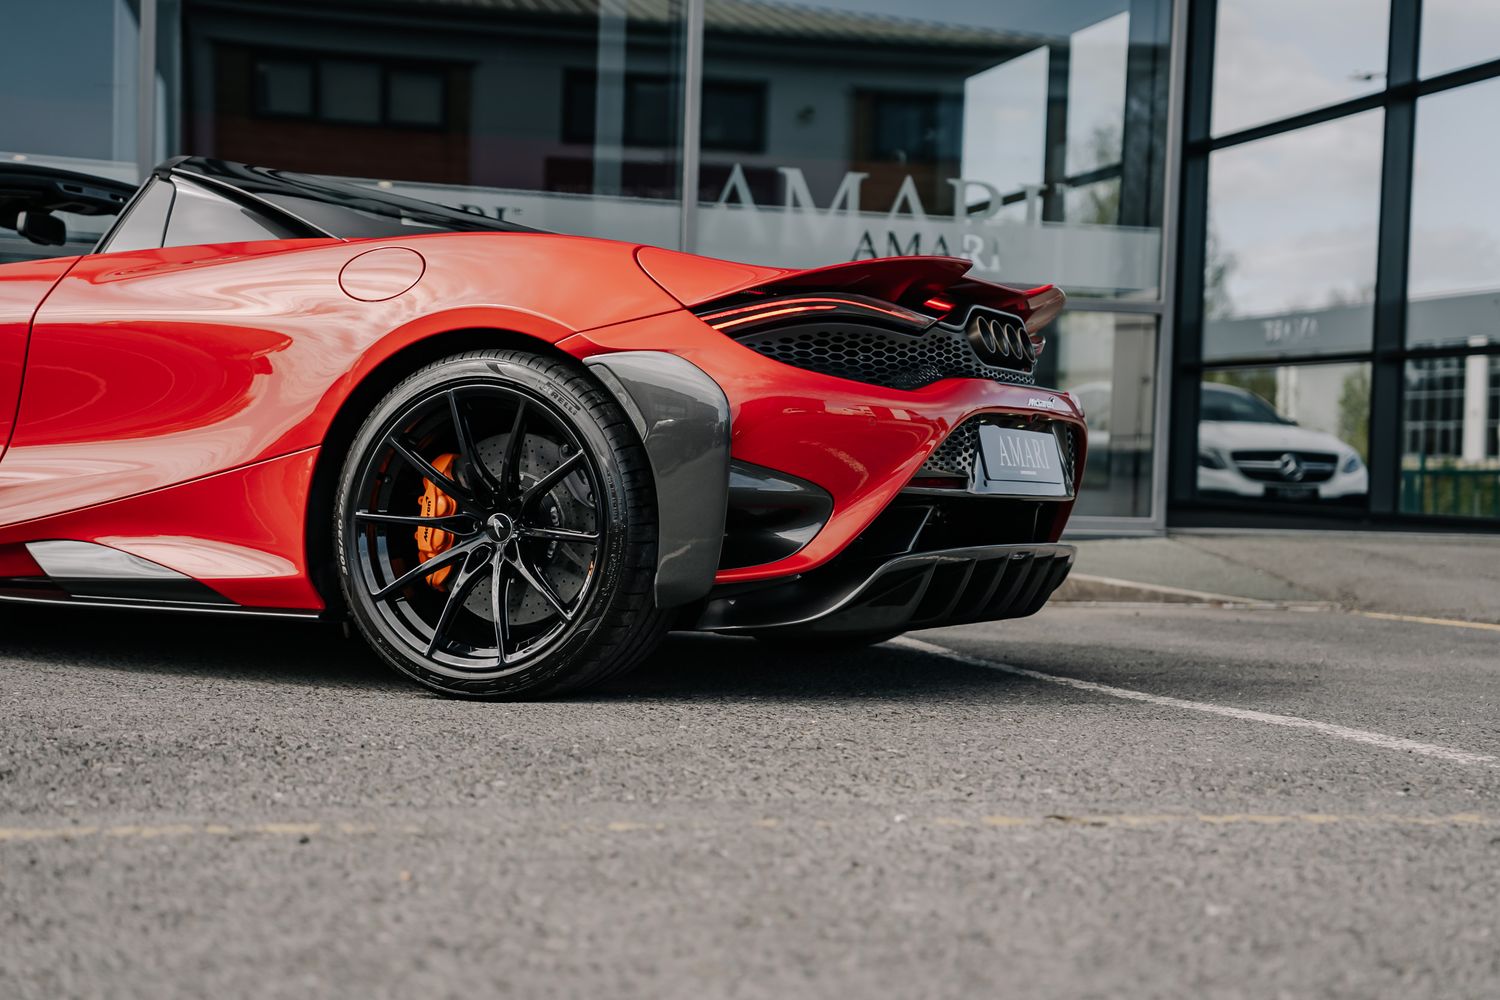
(433, 542)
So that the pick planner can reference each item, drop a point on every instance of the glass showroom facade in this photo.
(1321, 327)
(1339, 258)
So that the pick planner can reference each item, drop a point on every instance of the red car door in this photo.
(22, 288)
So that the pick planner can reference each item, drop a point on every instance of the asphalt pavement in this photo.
(1105, 801)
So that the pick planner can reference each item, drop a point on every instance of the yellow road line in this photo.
(46, 833)
(1234, 819)
(133, 832)
(1424, 620)
(1116, 820)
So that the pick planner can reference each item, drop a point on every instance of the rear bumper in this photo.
(862, 444)
(920, 590)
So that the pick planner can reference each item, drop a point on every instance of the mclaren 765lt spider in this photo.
(513, 459)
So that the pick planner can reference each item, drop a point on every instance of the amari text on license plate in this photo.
(1020, 463)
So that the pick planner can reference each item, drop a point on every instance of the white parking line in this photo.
(1288, 721)
(1427, 620)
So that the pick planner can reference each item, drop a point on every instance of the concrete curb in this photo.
(1083, 588)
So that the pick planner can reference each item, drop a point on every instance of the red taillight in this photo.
(844, 306)
(757, 314)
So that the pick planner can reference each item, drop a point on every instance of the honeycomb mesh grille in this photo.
(881, 357)
(1069, 440)
(956, 455)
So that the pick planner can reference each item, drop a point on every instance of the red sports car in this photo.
(514, 459)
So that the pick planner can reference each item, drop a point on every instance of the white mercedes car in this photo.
(1247, 449)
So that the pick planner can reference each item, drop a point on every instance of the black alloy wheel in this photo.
(496, 529)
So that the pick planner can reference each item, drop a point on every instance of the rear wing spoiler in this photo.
(936, 287)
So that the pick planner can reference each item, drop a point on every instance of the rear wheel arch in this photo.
(318, 547)
(552, 533)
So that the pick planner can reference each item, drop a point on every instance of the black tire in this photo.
(561, 610)
(813, 643)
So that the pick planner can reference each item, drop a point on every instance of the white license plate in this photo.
(1021, 463)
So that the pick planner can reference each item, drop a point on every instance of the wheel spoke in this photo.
(510, 463)
(467, 447)
(500, 605)
(459, 524)
(467, 577)
(561, 534)
(551, 479)
(539, 583)
(437, 562)
(495, 512)
(447, 484)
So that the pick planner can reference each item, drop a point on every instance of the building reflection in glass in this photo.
(1451, 436)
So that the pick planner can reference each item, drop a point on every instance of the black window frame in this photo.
(757, 90)
(870, 101)
(385, 67)
(319, 113)
(579, 84)
(1388, 353)
(258, 98)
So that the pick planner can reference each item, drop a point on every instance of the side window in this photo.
(201, 216)
(144, 224)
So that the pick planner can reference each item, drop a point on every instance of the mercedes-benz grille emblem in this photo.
(1291, 468)
(999, 341)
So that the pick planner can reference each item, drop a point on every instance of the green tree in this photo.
(1099, 203)
(1261, 381)
(1218, 266)
(1354, 412)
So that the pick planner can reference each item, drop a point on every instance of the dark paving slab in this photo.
(1445, 576)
